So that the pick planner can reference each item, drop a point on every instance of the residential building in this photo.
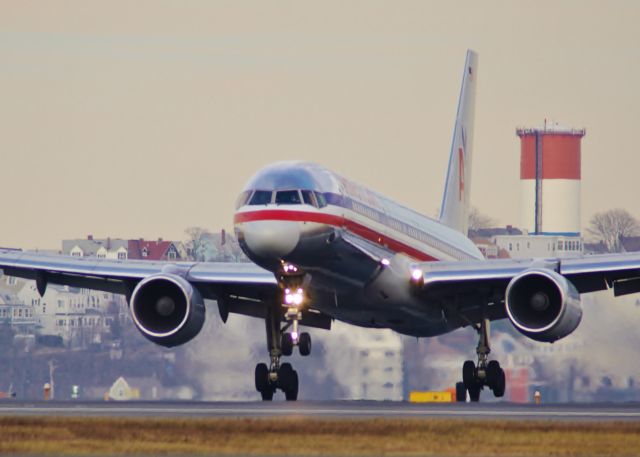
(104, 248)
(117, 248)
(156, 250)
(78, 316)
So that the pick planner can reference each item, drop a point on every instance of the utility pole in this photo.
(52, 369)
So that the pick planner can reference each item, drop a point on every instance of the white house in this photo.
(79, 316)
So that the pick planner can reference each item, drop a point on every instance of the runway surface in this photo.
(330, 410)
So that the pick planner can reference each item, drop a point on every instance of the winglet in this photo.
(454, 211)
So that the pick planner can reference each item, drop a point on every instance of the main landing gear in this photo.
(485, 373)
(281, 340)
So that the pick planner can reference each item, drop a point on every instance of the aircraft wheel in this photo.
(469, 375)
(501, 384)
(304, 344)
(461, 392)
(285, 376)
(474, 394)
(286, 344)
(292, 393)
(288, 381)
(267, 394)
(493, 374)
(261, 377)
(262, 382)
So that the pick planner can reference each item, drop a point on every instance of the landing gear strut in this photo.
(281, 341)
(485, 373)
(277, 375)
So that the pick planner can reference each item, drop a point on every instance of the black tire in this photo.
(493, 374)
(304, 344)
(285, 377)
(461, 392)
(501, 385)
(469, 375)
(267, 394)
(262, 377)
(474, 394)
(286, 344)
(291, 394)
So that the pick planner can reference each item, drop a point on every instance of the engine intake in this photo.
(543, 305)
(167, 309)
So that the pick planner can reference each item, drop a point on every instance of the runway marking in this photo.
(313, 412)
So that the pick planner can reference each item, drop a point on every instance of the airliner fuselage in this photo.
(305, 215)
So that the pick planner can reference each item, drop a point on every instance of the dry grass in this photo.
(302, 436)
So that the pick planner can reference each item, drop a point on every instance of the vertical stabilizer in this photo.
(454, 211)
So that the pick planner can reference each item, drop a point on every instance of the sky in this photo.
(140, 119)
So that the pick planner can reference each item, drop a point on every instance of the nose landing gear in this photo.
(485, 373)
(294, 337)
(281, 341)
(277, 375)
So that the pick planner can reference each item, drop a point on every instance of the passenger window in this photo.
(243, 198)
(308, 198)
(321, 200)
(260, 197)
(288, 197)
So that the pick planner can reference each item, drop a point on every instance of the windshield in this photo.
(288, 197)
(243, 198)
(260, 197)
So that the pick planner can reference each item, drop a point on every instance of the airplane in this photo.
(325, 248)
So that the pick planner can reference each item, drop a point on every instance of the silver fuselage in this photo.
(310, 224)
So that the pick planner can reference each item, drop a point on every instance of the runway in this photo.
(330, 410)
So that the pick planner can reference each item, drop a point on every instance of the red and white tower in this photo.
(550, 176)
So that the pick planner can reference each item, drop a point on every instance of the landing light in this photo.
(294, 336)
(416, 274)
(293, 298)
(289, 268)
(385, 262)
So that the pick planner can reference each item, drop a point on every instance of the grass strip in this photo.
(304, 436)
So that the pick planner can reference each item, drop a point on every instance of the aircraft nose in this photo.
(271, 239)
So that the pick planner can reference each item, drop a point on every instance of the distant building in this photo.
(528, 246)
(490, 232)
(156, 250)
(379, 364)
(14, 313)
(630, 243)
(489, 249)
(78, 316)
(105, 248)
(596, 248)
(116, 248)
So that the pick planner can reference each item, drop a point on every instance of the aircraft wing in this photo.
(587, 273)
(241, 286)
(470, 290)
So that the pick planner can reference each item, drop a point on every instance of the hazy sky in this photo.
(139, 119)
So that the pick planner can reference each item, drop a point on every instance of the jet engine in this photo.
(167, 309)
(543, 305)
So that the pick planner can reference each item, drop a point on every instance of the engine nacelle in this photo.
(543, 305)
(167, 309)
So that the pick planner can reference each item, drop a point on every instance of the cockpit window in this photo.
(243, 198)
(260, 197)
(321, 200)
(288, 197)
(308, 198)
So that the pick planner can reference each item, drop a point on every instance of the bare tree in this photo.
(477, 220)
(197, 243)
(611, 226)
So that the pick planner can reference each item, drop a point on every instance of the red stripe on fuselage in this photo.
(335, 221)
